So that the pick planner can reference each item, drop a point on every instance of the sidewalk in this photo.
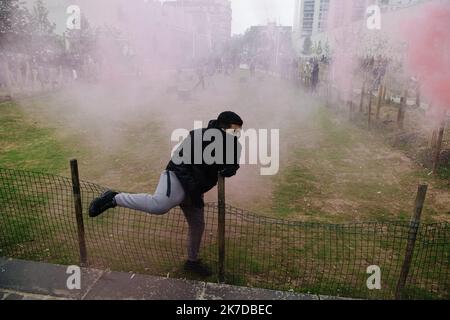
(26, 280)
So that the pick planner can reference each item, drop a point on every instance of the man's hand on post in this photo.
(228, 172)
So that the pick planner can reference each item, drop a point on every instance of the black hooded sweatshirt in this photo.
(198, 179)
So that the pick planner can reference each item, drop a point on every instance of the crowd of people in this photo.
(306, 72)
(48, 70)
(43, 70)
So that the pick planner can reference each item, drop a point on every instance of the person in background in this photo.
(315, 76)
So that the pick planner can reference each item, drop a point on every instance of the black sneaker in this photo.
(104, 202)
(197, 267)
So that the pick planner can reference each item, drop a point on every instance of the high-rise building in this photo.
(212, 19)
(312, 17)
(346, 12)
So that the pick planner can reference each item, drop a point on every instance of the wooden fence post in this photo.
(329, 95)
(369, 118)
(438, 147)
(221, 228)
(401, 113)
(380, 97)
(78, 212)
(350, 108)
(363, 89)
(8, 80)
(418, 94)
(413, 229)
(433, 141)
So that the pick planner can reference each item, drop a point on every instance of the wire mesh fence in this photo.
(37, 222)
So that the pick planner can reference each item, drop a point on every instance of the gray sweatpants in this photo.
(163, 201)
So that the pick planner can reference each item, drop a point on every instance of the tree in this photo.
(41, 30)
(83, 40)
(23, 31)
(14, 22)
(39, 20)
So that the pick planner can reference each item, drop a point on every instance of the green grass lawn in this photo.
(33, 229)
(27, 146)
(348, 175)
(331, 172)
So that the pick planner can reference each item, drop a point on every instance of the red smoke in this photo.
(428, 52)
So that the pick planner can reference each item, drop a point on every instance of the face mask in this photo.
(234, 132)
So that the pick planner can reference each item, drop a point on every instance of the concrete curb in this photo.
(27, 280)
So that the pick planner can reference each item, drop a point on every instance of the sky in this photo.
(255, 12)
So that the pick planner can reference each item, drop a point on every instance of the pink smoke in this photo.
(342, 33)
(428, 52)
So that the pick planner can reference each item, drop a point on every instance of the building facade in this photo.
(211, 18)
(313, 17)
(310, 17)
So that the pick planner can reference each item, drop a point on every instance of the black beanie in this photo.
(227, 118)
